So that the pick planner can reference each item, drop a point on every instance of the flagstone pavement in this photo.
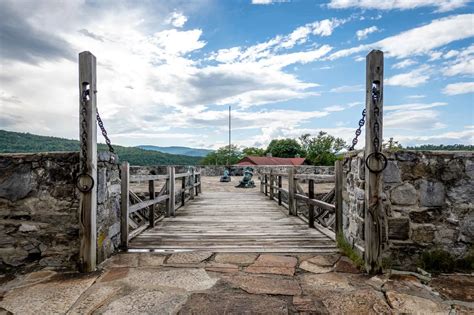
(210, 283)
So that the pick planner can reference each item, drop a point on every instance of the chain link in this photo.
(358, 131)
(104, 133)
(84, 167)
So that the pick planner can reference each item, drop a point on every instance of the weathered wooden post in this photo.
(124, 203)
(171, 191)
(266, 185)
(279, 189)
(375, 161)
(151, 210)
(193, 182)
(338, 196)
(310, 205)
(183, 190)
(86, 181)
(291, 191)
(271, 184)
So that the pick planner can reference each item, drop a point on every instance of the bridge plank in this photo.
(237, 221)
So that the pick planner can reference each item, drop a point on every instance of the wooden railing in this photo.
(137, 214)
(321, 212)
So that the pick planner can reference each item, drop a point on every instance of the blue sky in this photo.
(168, 70)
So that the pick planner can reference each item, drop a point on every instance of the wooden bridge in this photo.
(224, 218)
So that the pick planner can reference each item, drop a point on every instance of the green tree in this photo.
(323, 148)
(285, 148)
(252, 151)
(223, 156)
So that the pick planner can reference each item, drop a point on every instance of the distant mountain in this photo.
(16, 142)
(177, 150)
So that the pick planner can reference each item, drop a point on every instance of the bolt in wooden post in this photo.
(124, 203)
(291, 191)
(279, 189)
(311, 206)
(373, 185)
(151, 210)
(271, 185)
(88, 200)
(338, 197)
(171, 191)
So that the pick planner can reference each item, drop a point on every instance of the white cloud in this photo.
(416, 96)
(410, 79)
(413, 120)
(334, 108)
(347, 89)
(268, 1)
(420, 40)
(362, 34)
(441, 5)
(177, 19)
(413, 106)
(459, 88)
(463, 64)
(465, 136)
(404, 63)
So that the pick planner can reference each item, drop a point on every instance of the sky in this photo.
(168, 70)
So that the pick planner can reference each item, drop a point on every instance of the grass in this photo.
(347, 250)
(438, 260)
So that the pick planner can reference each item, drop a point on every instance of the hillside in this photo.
(15, 142)
(177, 150)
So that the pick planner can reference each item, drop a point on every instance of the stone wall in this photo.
(39, 210)
(428, 204)
(108, 205)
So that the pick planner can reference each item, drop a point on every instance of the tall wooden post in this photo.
(151, 210)
(338, 196)
(279, 189)
(183, 190)
(373, 181)
(310, 205)
(171, 191)
(193, 182)
(124, 203)
(291, 191)
(271, 184)
(88, 156)
(266, 185)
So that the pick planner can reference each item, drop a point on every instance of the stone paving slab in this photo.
(188, 257)
(233, 303)
(265, 284)
(54, 296)
(238, 259)
(273, 264)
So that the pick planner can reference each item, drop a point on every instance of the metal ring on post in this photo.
(85, 183)
(376, 155)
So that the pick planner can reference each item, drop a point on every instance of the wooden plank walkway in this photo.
(241, 221)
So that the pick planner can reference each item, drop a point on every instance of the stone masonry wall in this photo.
(428, 203)
(108, 205)
(39, 210)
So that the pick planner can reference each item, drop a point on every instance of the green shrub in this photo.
(347, 250)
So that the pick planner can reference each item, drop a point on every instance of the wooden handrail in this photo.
(316, 202)
(147, 203)
(142, 178)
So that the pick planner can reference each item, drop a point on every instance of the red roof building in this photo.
(268, 160)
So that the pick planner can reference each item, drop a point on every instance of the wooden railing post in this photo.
(338, 197)
(271, 184)
(261, 184)
(291, 191)
(124, 204)
(373, 181)
(171, 191)
(266, 185)
(193, 181)
(311, 206)
(183, 190)
(279, 189)
(151, 210)
(88, 137)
